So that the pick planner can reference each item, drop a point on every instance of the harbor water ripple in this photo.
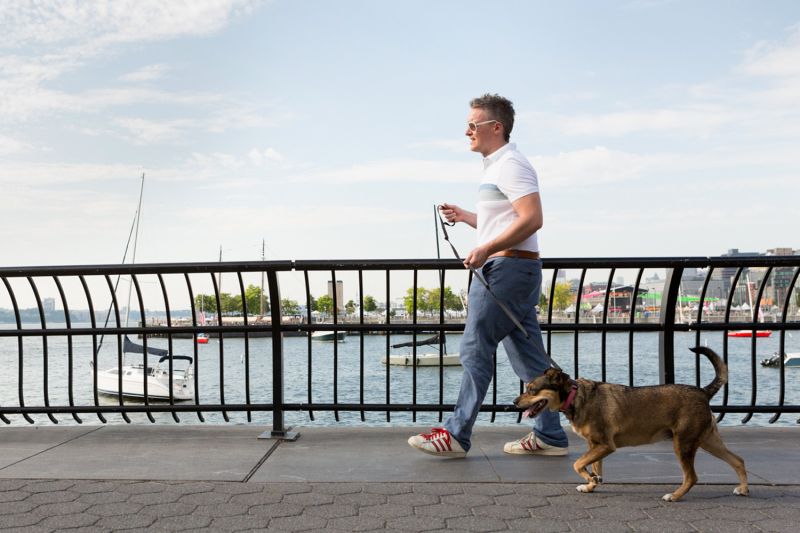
(230, 354)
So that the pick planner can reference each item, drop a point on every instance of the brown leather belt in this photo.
(522, 254)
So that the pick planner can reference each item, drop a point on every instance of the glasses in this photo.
(473, 126)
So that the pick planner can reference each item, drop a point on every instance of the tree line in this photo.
(428, 300)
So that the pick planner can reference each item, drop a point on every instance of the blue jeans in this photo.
(517, 283)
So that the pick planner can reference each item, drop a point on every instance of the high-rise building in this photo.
(339, 294)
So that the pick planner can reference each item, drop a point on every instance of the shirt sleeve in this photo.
(517, 179)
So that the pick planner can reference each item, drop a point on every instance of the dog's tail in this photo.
(719, 367)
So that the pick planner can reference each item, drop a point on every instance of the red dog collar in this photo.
(570, 397)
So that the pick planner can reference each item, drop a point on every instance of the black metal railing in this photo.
(44, 350)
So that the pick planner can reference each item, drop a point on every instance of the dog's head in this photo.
(548, 390)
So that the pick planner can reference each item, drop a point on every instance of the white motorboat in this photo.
(159, 382)
(423, 358)
(791, 360)
(329, 336)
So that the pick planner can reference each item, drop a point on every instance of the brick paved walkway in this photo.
(57, 505)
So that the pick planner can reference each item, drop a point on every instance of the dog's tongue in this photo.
(533, 410)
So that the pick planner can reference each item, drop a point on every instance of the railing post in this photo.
(278, 431)
(666, 335)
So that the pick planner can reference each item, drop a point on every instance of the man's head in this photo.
(490, 122)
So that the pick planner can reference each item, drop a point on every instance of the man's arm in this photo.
(453, 213)
(529, 209)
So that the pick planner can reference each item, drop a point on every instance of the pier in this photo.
(169, 478)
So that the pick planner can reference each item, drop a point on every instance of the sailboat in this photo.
(748, 333)
(129, 379)
(202, 338)
(132, 376)
(423, 359)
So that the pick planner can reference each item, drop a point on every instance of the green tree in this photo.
(350, 307)
(451, 300)
(543, 301)
(290, 307)
(562, 296)
(253, 295)
(325, 304)
(231, 305)
(205, 302)
(423, 300)
(369, 304)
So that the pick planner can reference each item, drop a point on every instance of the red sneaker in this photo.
(437, 442)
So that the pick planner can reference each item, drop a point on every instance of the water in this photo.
(296, 356)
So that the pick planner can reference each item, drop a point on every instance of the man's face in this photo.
(481, 139)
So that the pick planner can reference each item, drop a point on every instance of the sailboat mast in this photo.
(219, 277)
(263, 246)
(133, 254)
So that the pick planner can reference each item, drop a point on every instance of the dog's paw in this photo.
(584, 488)
(668, 498)
(741, 491)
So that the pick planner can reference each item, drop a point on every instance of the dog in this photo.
(609, 416)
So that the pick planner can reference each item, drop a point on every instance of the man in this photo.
(508, 217)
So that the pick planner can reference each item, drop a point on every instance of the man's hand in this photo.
(453, 213)
(477, 257)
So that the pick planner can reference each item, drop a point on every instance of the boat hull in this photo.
(329, 336)
(792, 360)
(133, 384)
(749, 333)
(425, 359)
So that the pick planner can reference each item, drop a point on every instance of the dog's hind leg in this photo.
(685, 451)
(593, 456)
(712, 443)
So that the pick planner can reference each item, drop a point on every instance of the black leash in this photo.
(480, 278)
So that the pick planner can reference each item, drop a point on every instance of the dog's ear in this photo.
(558, 378)
(552, 374)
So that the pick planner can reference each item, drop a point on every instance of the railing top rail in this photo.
(392, 264)
(146, 268)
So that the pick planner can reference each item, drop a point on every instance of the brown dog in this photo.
(610, 416)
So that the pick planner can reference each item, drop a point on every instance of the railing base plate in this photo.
(280, 435)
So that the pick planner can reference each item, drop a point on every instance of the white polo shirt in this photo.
(507, 177)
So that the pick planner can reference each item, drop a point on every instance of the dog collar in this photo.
(570, 397)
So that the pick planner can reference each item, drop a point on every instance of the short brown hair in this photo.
(499, 109)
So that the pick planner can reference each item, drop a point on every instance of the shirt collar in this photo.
(497, 154)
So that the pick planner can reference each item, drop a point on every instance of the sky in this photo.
(330, 129)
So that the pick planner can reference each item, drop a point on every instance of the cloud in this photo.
(773, 59)
(449, 145)
(44, 41)
(144, 131)
(592, 167)
(695, 120)
(98, 24)
(147, 73)
(264, 157)
(10, 146)
(395, 170)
